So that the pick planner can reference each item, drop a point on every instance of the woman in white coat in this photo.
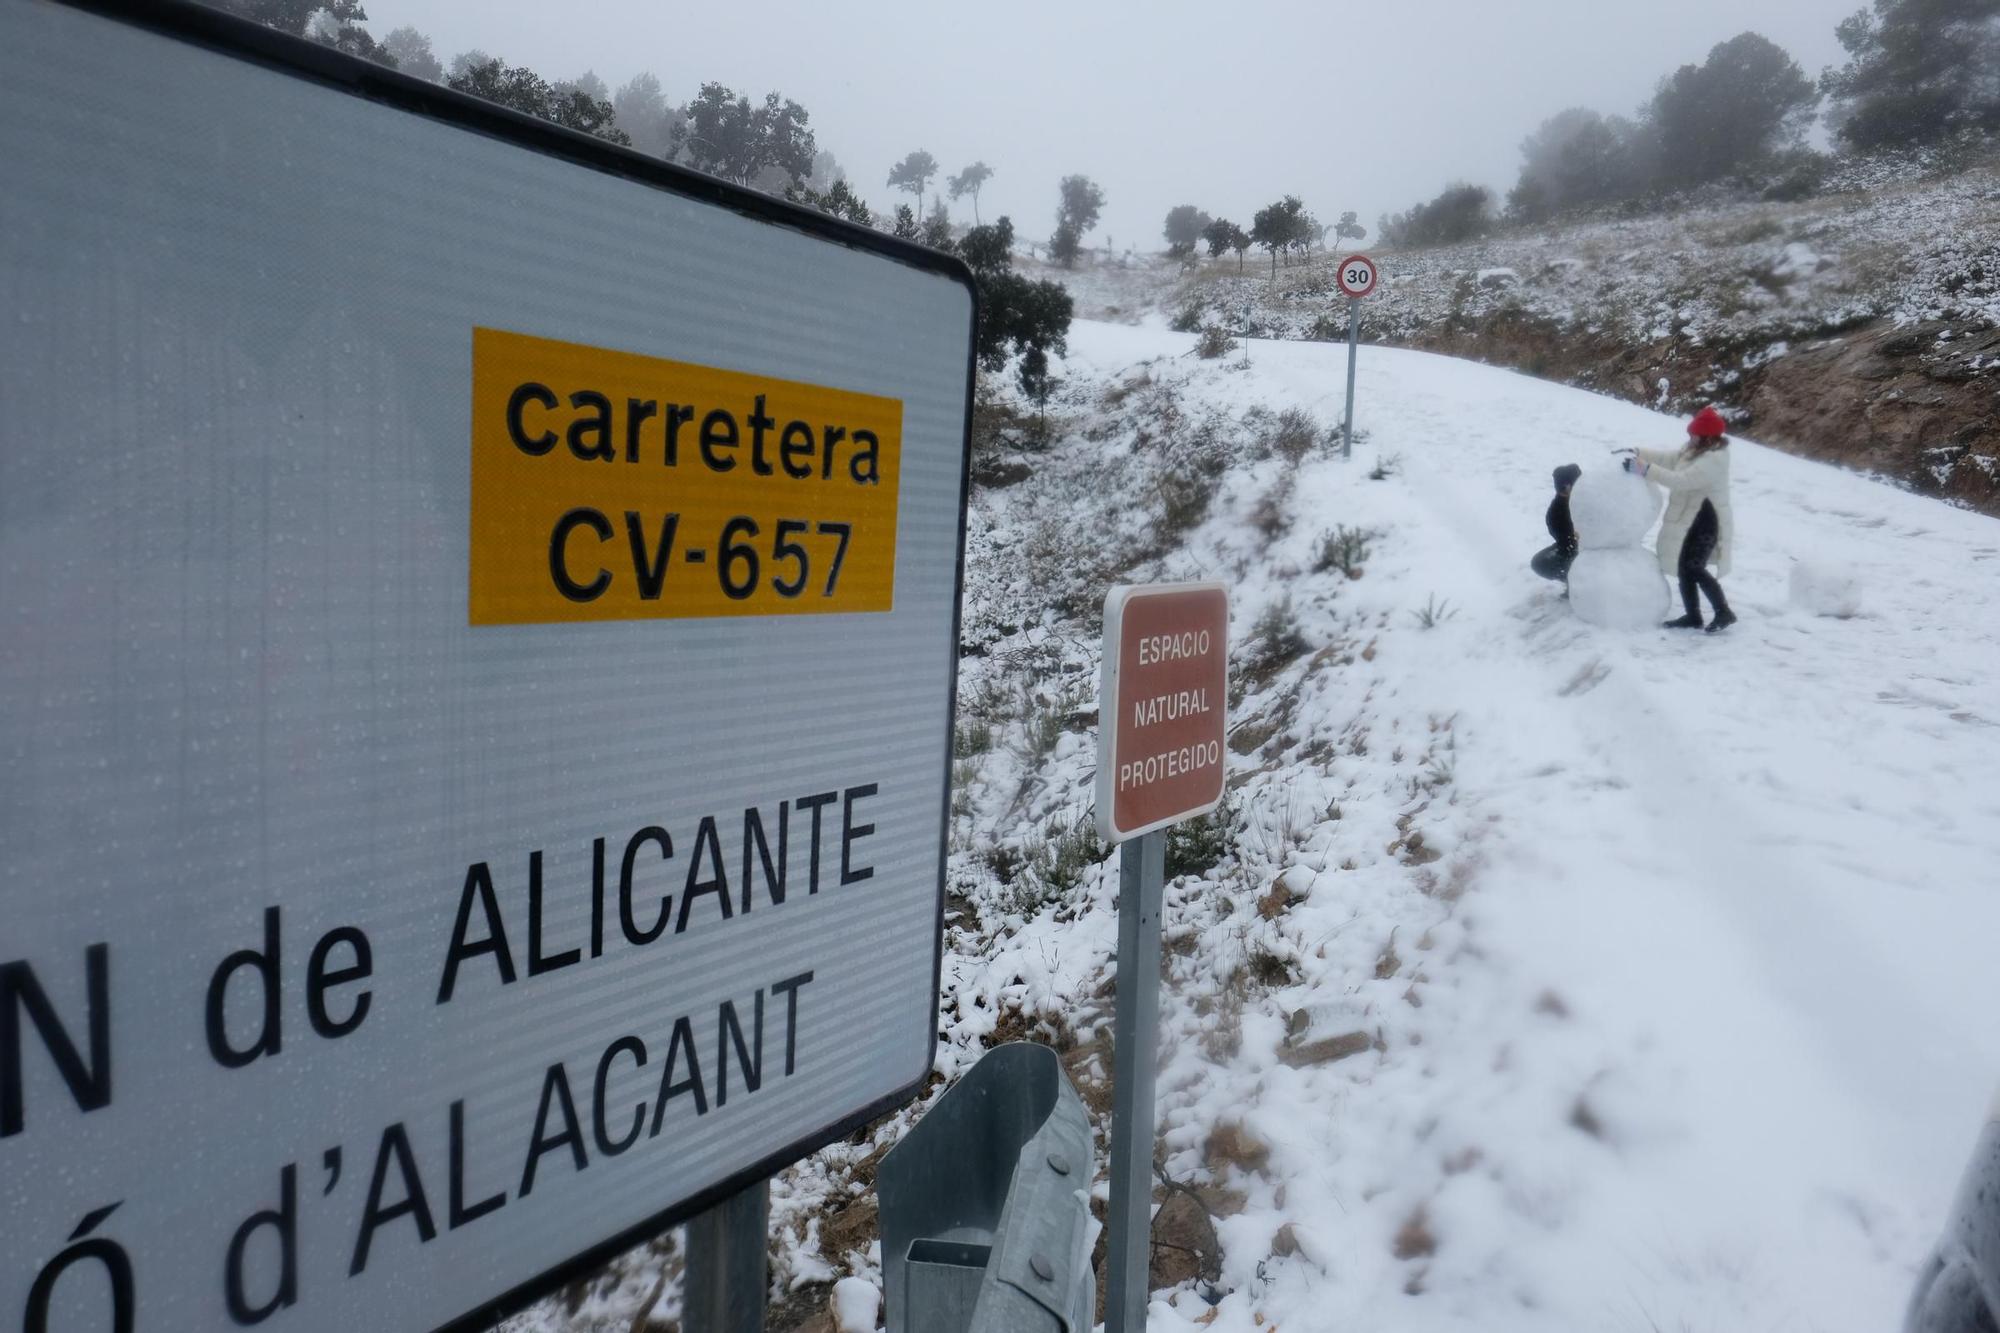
(1697, 529)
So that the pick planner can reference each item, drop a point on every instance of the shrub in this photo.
(1274, 642)
(1215, 342)
(1188, 319)
(1294, 435)
(1197, 846)
(1185, 496)
(1344, 549)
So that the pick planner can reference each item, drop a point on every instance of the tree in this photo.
(1016, 316)
(838, 199)
(1185, 224)
(1349, 228)
(1240, 242)
(1574, 159)
(1917, 71)
(970, 181)
(905, 227)
(525, 91)
(339, 26)
(411, 51)
(643, 112)
(725, 135)
(1280, 226)
(937, 227)
(1459, 213)
(913, 173)
(1743, 103)
(1079, 203)
(1217, 235)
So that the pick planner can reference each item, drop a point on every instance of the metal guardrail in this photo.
(986, 1224)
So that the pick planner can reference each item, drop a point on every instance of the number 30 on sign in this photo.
(1357, 276)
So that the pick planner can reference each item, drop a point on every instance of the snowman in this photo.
(1615, 582)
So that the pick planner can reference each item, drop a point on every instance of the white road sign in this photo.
(1357, 276)
(479, 636)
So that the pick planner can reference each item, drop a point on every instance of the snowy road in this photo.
(1761, 871)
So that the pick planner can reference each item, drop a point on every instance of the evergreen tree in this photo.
(1917, 71)
(905, 227)
(913, 174)
(1218, 234)
(724, 134)
(1280, 226)
(411, 51)
(970, 181)
(1080, 201)
(1184, 228)
(937, 227)
(643, 112)
(1743, 103)
(525, 91)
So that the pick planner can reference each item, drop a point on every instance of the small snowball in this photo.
(1618, 589)
(1611, 508)
(855, 1301)
(1822, 590)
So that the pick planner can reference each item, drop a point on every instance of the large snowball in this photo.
(1618, 589)
(1822, 590)
(1611, 508)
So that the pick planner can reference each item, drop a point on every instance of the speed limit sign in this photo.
(1358, 276)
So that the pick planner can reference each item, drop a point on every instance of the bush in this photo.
(1197, 846)
(1215, 342)
(1188, 319)
(1344, 549)
(1294, 435)
(1274, 642)
(1185, 496)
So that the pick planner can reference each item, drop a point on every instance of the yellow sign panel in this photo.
(612, 486)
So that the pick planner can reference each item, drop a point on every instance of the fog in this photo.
(1227, 107)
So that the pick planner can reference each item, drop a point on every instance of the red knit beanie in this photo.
(1708, 421)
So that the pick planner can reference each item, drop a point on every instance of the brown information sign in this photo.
(1165, 685)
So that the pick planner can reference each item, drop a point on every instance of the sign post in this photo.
(1162, 700)
(480, 617)
(1358, 277)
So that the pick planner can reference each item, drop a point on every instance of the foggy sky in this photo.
(1226, 106)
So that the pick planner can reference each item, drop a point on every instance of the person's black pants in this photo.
(1552, 562)
(1696, 548)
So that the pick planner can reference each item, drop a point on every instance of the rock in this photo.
(1236, 1144)
(1323, 1051)
(1286, 1243)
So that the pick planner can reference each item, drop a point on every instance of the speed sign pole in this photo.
(1357, 276)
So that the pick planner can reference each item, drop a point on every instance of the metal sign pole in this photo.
(724, 1287)
(1353, 340)
(1142, 864)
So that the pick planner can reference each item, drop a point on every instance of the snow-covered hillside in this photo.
(1537, 977)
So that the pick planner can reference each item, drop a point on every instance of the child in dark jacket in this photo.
(1553, 561)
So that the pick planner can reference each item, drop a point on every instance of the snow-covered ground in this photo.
(1551, 978)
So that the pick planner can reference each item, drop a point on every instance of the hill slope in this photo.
(1861, 327)
(1538, 977)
